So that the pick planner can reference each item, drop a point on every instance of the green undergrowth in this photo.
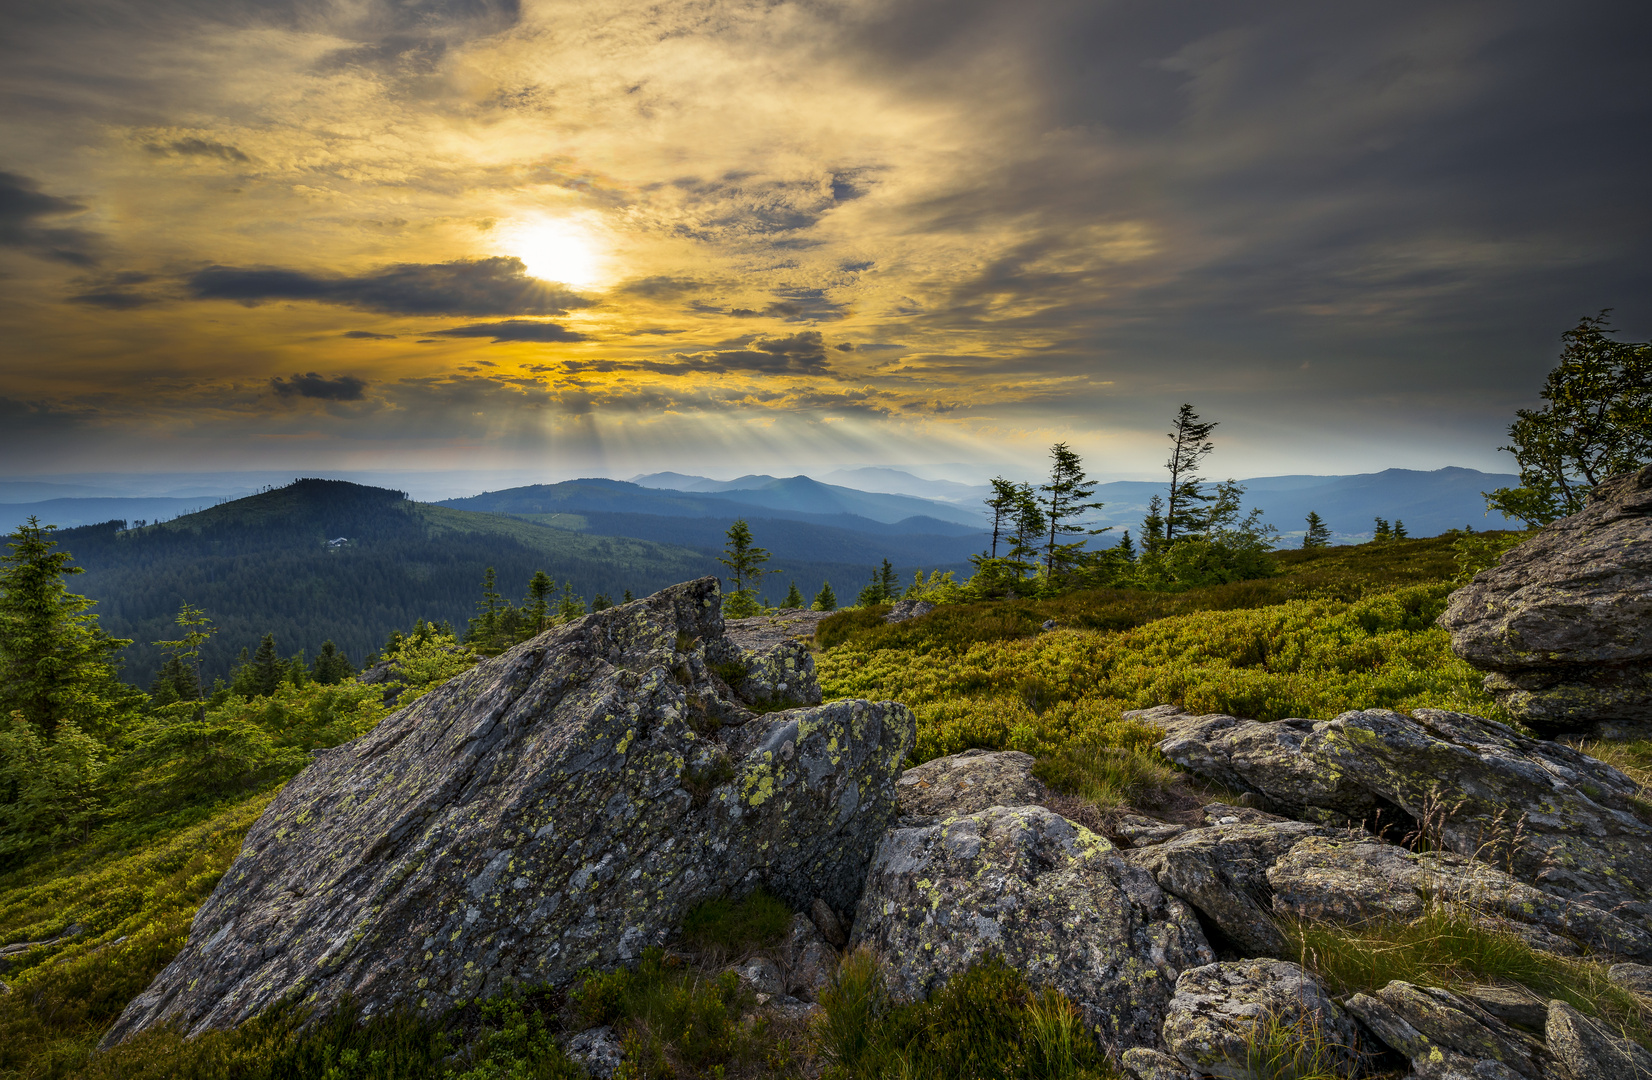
(1449, 947)
(727, 927)
(985, 1023)
(1040, 694)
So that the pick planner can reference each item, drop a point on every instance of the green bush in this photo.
(737, 927)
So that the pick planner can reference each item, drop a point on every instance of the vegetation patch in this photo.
(734, 927)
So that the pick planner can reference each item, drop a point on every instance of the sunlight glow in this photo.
(556, 252)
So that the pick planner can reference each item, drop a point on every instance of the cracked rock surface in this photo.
(966, 782)
(1052, 898)
(557, 807)
(1220, 1011)
(1564, 622)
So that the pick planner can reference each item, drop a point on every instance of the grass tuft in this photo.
(734, 928)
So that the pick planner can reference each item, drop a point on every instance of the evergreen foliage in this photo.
(1597, 422)
(1318, 534)
(1189, 445)
(1064, 501)
(884, 588)
(745, 562)
(825, 599)
(794, 598)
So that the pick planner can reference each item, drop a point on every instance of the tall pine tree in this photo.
(1066, 499)
(1189, 445)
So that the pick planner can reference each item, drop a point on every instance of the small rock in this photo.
(1051, 898)
(597, 1051)
(809, 961)
(1591, 1052)
(1143, 1063)
(908, 609)
(1140, 831)
(1223, 870)
(1228, 814)
(1048, 625)
(1635, 978)
(1214, 1018)
(966, 782)
(827, 922)
(761, 974)
(791, 1008)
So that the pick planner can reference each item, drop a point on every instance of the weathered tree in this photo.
(1004, 503)
(1189, 445)
(1597, 422)
(1065, 500)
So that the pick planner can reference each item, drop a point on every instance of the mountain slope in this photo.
(806, 495)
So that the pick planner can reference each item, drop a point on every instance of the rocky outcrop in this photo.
(1557, 818)
(1564, 622)
(967, 782)
(555, 808)
(1224, 872)
(1351, 880)
(1051, 898)
(1219, 1022)
(1589, 1051)
(1445, 1035)
(908, 609)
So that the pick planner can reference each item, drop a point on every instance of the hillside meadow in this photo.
(1336, 629)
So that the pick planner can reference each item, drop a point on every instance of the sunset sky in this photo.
(604, 237)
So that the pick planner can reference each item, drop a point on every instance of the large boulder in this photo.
(1554, 816)
(1051, 898)
(1224, 872)
(1324, 879)
(1564, 621)
(1590, 1051)
(558, 807)
(1447, 1036)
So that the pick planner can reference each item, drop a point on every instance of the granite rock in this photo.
(1220, 1010)
(555, 808)
(966, 782)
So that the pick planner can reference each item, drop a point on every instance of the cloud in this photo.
(367, 335)
(492, 286)
(112, 299)
(795, 305)
(516, 330)
(342, 388)
(803, 353)
(661, 287)
(196, 147)
(23, 206)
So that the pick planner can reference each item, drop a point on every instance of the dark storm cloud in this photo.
(496, 286)
(516, 330)
(24, 211)
(803, 353)
(342, 388)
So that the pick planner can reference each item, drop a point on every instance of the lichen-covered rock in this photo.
(1143, 1063)
(558, 807)
(1051, 898)
(1589, 1051)
(598, 1051)
(1140, 831)
(1267, 759)
(1223, 871)
(809, 960)
(1443, 1034)
(1635, 978)
(762, 974)
(1510, 1004)
(1564, 621)
(1221, 1011)
(1578, 821)
(966, 782)
(908, 609)
(1326, 879)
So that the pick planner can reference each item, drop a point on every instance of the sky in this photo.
(602, 238)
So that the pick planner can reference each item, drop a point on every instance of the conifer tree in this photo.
(266, 669)
(601, 602)
(1399, 530)
(484, 625)
(186, 654)
(825, 599)
(794, 598)
(1189, 445)
(1004, 502)
(1127, 547)
(331, 666)
(1383, 530)
(1318, 534)
(745, 561)
(56, 663)
(1064, 501)
(628, 597)
(538, 603)
(570, 606)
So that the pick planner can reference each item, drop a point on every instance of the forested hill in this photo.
(263, 564)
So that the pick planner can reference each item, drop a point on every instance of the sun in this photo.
(556, 252)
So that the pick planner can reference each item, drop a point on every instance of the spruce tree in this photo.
(56, 663)
(1383, 530)
(794, 598)
(1004, 502)
(186, 652)
(538, 603)
(570, 606)
(745, 561)
(266, 669)
(331, 666)
(1189, 445)
(825, 599)
(1064, 502)
(1318, 534)
(1399, 530)
(628, 597)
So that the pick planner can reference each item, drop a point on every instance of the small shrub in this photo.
(1295, 1049)
(1111, 777)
